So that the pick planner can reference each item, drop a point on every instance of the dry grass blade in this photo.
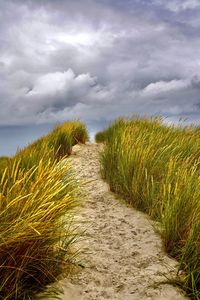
(157, 168)
(38, 200)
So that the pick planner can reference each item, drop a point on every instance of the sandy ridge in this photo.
(124, 257)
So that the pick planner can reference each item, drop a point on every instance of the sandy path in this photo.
(124, 256)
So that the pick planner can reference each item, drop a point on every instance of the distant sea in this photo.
(13, 138)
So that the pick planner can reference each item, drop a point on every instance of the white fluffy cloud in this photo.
(164, 87)
(61, 83)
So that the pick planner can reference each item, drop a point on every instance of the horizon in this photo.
(32, 132)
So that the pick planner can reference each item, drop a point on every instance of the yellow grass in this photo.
(38, 200)
(157, 168)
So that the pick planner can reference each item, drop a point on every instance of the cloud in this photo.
(163, 87)
(97, 60)
(178, 5)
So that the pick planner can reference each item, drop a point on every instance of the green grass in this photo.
(3, 162)
(55, 145)
(157, 169)
(38, 200)
(65, 136)
(101, 136)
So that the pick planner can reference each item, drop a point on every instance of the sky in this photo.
(96, 60)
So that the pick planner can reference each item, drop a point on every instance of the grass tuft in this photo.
(157, 169)
(38, 200)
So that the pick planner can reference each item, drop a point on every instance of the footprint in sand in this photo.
(125, 260)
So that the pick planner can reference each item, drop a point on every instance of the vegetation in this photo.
(3, 162)
(101, 136)
(55, 145)
(157, 168)
(38, 197)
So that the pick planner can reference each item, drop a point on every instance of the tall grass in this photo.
(157, 168)
(101, 136)
(66, 135)
(55, 145)
(3, 162)
(38, 200)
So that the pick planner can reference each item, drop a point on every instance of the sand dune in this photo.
(124, 257)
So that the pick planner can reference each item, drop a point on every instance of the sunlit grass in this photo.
(157, 168)
(38, 199)
(55, 145)
(3, 162)
(65, 136)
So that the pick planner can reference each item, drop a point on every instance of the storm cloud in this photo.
(97, 60)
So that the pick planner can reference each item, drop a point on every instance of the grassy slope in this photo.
(36, 191)
(157, 168)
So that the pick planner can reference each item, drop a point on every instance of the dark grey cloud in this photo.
(97, 60)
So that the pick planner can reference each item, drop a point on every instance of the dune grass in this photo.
(55, 145)
(101, 136)
(38, 199)
(157, 169)
(65, 136)
(3, 162)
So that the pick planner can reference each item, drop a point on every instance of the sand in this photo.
(124, 258)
